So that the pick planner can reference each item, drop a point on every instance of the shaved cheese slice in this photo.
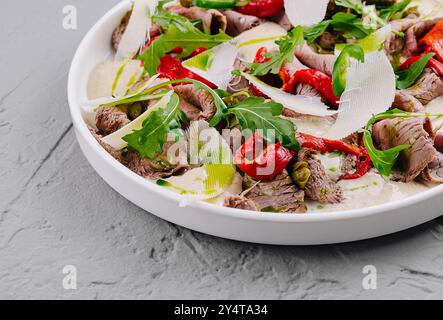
(298, 103)
(306, 12)
(137, 31)
(370, 89)
(373, 42)
(206, 145)
(92, 104)
(263, 35)
(215, 64)
(203, 183)
(115, 139)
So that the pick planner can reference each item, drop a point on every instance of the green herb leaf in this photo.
(406, 78)
(255, 114)
(350, 25)
(287, 44)
(341, 66)
(313, 32)
(397, 7)
(384, 160)
(355, 5)
(181, 33)
(149, 140)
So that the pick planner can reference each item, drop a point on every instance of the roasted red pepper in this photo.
(326, 146)
(262, 8)
(433, 63)
(433, 40)
(262, 162)
(260, 58)
(173, 69)
(317, 79)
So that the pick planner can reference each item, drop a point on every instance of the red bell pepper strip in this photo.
(260, 58)
(173, 69)
(326, 146)
(433, 40)
(262, 163)
(261, 8)
(317, 79)
(433, 63)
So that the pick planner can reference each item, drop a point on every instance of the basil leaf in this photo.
(341, 66)
(287, 44)
(315, 31)
(255, 114)
(406, 78)
(149, 140)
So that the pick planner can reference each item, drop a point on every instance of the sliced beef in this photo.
(404, 100)
(291, 67)
(280, 195)
(238, 83)
(434, 171)
(413, 34)
(320, 187)
(395, 43)
(428, 87)
(238, 23)
(416, 132)
(211, 19)
(196, 104)
(314, 60)
(161, 166)
(438, 141)
(120, 30)
(240, 202)
(328, 40)
(110, 119)
(116, 154)
(282, 20)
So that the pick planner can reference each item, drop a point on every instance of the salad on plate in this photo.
(280, 106)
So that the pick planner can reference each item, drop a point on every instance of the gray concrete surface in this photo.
(56, 211)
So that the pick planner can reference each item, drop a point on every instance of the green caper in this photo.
(186, 3)
(300, 174)
(135, 110)
(161, 164)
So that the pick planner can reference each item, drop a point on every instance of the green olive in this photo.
(300, 174)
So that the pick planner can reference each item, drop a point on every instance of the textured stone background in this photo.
(55, 210)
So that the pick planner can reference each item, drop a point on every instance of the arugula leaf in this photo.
(341, 66)
(218, 101)
(149, 140)
(180, 33)
(398, 7)
(255, 114)
(350, 25)
(287, 44)
(384, 160)
(406, 78)
(313, 32)
(355, 5)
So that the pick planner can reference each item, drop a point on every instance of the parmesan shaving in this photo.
(370, 89)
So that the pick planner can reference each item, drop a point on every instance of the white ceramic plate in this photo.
(270, 228)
